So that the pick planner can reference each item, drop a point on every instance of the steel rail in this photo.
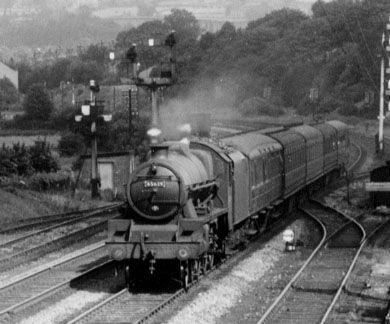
(52, 289)
(358, 160)
(38, 270)
(50, 228)
(36, 251)
(347, 275)
(38, 221)
(101, 304)
(321, 245)
(290, 283)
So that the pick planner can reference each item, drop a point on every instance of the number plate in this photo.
(154, 184)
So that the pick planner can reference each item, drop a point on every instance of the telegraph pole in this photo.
(381, 116)
(384, 86)
(131, 59)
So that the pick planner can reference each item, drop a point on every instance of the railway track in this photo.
(35, 223)
(38, 284)
(124, 307)
(140, 307)
(310, 293)
(353, 294)
(356, 162)
(31, 246)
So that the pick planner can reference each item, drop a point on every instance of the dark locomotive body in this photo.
(185, 200)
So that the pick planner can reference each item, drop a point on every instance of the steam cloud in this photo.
(214, 98)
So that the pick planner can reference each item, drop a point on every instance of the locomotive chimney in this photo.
(159, 150)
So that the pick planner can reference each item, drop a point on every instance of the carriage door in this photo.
(106, 172)
(241, 190)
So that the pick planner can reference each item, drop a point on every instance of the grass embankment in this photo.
(17, 204)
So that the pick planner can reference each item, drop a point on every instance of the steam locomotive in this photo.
(185, 200)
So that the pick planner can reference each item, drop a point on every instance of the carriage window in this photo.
(259, 171)
(266, 167)
(255, 172)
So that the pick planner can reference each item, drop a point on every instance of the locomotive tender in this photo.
(186, 199)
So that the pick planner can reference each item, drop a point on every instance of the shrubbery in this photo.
(23, 161)
(70, 144)
(58, 181)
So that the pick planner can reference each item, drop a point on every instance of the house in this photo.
(114, 170)
(12, 75)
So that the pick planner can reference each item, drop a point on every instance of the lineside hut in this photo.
(113, 169)
(379, 186)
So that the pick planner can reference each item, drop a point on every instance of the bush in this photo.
(107, 194)
(78, 164)
(348, 109)
(58, 181)
(41, 157)
(70, 144)
(15, 160)
(37, 103)
(22, 160)
(63, 119)
(259, 106)
(305, 107)
(329, 104)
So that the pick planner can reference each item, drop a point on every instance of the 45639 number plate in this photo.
(154, 184)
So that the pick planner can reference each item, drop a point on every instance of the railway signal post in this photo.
(166, 78)
(92, 112)
(148, 80)
(131, 94)
(131, 58)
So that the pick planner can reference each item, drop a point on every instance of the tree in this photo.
(82, 72)
(284, 20)
(95, 52)
(59, 71)
(187, 31)
(71, 144)
(37, 104)
(147, 56)
(41, 157)
(185, 25)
